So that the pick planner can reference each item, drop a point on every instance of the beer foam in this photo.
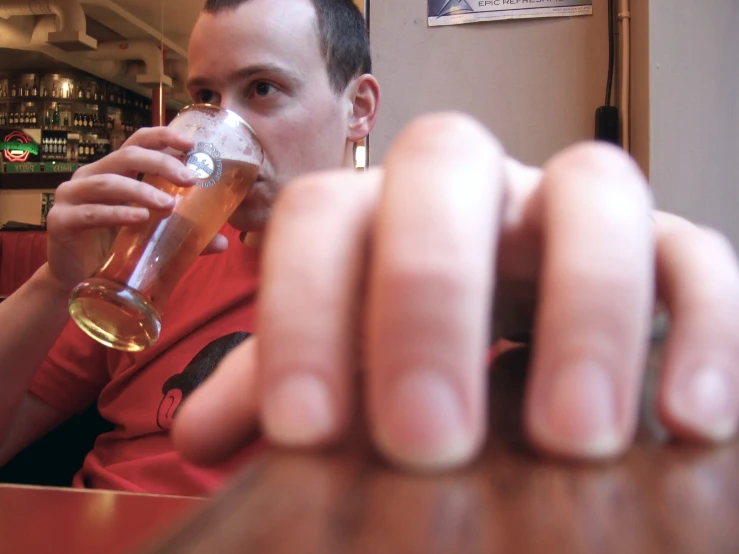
(224, 130)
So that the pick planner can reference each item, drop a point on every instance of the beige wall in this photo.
(21, 205)
(640, 134)
(536, 83)
(694, 119)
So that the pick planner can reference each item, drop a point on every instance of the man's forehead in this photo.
(270, 25)
(293, 13)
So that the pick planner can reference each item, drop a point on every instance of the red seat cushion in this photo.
(23, 252)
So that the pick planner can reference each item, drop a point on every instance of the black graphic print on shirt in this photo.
(178, 387)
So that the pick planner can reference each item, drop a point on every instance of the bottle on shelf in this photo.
(76, 121)
(34, 90)
(33, 119)
(13, 91)
(45, 92)
(88, 92)
(53, 91)
(66, 119)
(55, 117)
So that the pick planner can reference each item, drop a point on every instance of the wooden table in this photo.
(39, 520)
(660, 498)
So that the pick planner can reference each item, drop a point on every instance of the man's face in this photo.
(263, 61)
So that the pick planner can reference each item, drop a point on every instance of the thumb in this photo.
(220, 416)
(217, 245)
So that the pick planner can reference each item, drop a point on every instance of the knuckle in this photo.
(715, 240)
(129, 154)
(447, 131)
(53, 219)
(601, 163)
(62, 191)
(88, 215)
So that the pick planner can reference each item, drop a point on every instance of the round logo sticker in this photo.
(205, 161)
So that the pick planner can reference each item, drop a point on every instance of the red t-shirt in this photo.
(211, 310)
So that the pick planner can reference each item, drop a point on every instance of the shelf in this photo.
(50, 100)
(77, 130)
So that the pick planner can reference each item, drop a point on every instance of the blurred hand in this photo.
(414, 256)
(105, 195)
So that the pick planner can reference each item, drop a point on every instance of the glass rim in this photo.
(221, 109)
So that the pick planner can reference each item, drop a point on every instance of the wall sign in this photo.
(457, 12)
(18, 147)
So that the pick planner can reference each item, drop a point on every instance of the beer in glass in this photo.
(121, 304)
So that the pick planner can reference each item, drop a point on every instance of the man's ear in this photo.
(364, 97)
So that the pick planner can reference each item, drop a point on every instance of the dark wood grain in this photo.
(42, 520)
(661, 497)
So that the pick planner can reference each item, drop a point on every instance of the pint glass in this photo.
(121, 305)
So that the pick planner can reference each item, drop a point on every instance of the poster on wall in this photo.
(458, 12)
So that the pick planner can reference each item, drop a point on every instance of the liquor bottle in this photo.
(26, 91)
(88, 92)
(95, 95)
(53, 91)
(13, 91)
(34, 90)
(111, 97)
(76, 120)
(85, 121)
(55, 120)
(72, 154)
(47, 119)
(66, 119)
(33, 119)
(45, 92)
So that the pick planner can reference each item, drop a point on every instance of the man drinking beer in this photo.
(406, 256)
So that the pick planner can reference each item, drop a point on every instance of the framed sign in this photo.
(458, 12)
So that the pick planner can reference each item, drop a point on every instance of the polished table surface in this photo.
(39, 520)
(661, 498)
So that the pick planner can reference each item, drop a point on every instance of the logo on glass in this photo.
(205, 161)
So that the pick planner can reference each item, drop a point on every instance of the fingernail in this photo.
(298, 411)
(423, 424)
(708, 404)
(163, 199)
(188, 175)
(579, 416)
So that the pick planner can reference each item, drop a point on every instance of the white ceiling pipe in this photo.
(112, 15)
(71, 31)
(16, 34)
(178, 70)
(143, 50)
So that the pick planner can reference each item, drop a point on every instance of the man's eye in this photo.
(205, 96)
(263, 88)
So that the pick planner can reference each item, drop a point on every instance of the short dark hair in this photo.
(343, 36)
